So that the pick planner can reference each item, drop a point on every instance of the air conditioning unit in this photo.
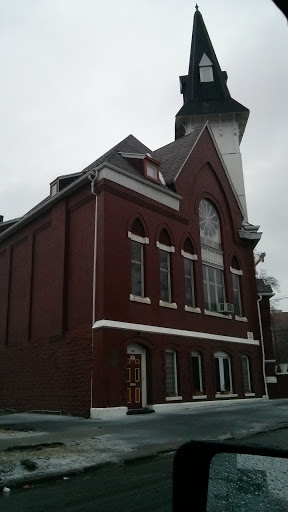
(225, 307)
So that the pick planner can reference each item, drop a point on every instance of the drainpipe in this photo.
(93, 178)
(262, 345)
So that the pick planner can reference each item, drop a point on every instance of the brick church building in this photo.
(132, 286)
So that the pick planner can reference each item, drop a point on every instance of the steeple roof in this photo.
(211, 96)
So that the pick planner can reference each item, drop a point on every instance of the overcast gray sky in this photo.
(79, 76)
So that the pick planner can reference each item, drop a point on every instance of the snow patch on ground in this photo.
(51, 460)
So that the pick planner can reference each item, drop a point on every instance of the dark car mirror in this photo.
(214, 477)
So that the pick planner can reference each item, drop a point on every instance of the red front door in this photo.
(134, 394)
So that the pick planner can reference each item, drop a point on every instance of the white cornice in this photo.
(155, 329)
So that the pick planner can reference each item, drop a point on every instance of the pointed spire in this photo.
(204, 89)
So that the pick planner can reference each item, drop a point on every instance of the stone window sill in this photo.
(136, 298)
(219, 315)
(173, 398)
(241, 318)
(192, 310)
(199, 397)
(249, 394)
(171, 305)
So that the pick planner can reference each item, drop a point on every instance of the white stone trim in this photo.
(241, 318)
(270, 360)
(173, 398)
(224, 397)
(188, 255)
(199, 397)
(249, 394)
(164, 304)
(235, 271)
(171, 407)
(107, 413)
(140, 185)
(154, 329)
(136, 238)
(271, 380)
(219, 315)
(192, 310)
(136, 298)
(167, 248)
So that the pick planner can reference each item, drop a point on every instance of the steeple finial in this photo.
(196, 7)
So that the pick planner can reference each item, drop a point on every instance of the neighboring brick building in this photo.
(133, 284)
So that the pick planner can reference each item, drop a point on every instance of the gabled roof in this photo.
(173, 155)
(264, 288)
(204, 98)
(128, 145)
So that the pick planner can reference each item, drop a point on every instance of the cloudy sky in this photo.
(79, 76)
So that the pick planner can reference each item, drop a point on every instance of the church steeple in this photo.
(206, 98)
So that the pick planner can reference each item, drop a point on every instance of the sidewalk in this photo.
(37, 446)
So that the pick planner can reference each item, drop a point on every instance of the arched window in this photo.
(212, 257)
(197, 379)
(165, 249)
(189, 257)
(171, 373)
(138, 241)
(223, 374)
(245, 363)
(236, 281)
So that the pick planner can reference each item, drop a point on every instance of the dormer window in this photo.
(54, 188)
(206, 69)
(152, 171)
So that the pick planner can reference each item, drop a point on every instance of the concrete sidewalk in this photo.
(36, 446)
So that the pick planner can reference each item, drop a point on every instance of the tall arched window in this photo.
(188, 258)
(138, 241)
(223, 374)
(165, 249)
(236, 281)
(212, 257)
(197, 379)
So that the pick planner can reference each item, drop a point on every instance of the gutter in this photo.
(44, 206)
(262, 345)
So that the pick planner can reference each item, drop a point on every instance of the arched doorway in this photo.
(136, 377)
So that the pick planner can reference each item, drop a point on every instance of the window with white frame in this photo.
(137, 268)
(171, 373)
(206, 69)
(197, 372)
(212, 256)
(189, 282)
(138, 241)
(246, 374)
(223, 374)
(165, 276)
(236, 273)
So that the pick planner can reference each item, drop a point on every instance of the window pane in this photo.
(136, 251)
(217, 375)
(226, 368)
(137, 269)
(213, 301)
(165, 280)
(171, 388)
(237, 295)
(188, 292)
(164, 260)
(164, 285)
(136, 279)
(196, 374)
(246, 374)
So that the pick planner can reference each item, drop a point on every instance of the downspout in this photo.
(262, 345)
(93, 178)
